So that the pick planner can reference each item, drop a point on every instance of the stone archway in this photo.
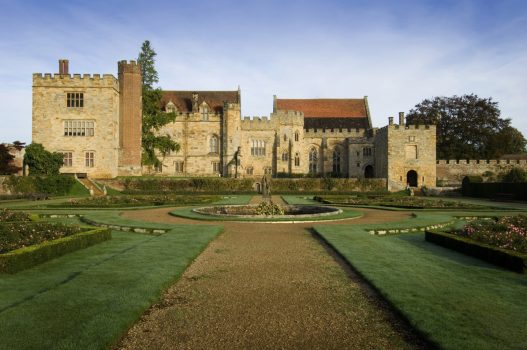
(258, 187)
(411, 178)
(368, 172)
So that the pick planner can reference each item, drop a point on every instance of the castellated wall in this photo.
(451, 172)
(410, 148)
(101, 106)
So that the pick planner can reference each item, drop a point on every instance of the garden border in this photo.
(24, 258)
(507, 259)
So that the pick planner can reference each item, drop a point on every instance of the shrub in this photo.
(56, 185)
(508, 232)
(515, 175)
(137, 201)
(7, 215)
(269, 208)
(15, 235)
(27, 257)
(505, 258)
(42, 162)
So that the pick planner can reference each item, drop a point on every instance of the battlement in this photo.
(74, 80)
(257, 123)
(124, 66)
(481, 161)
(335, 133)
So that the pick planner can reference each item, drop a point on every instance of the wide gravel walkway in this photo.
(267, 286)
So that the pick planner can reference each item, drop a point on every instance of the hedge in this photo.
(56, 185)
(246, 185)
(516, 190)
(23, 258)
(508, 259)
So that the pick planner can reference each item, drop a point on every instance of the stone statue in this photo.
(266, 187)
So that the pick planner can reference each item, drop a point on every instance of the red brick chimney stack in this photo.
(64, 67)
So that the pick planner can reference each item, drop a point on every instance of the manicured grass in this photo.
(87, 299)
(457, 301)
(234, 199)
(188, 213)
(299, 199)
(78, 190)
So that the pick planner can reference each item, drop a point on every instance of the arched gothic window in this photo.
(297, 159)
(214, 144)
(297, 136)
(336, 161)
(285, 156)
(313, 160)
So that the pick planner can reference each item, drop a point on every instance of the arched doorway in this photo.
(411, 178)
(258, 187)
(368, 172)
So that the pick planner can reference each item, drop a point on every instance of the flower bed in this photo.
(508, 232)
(15, 235)
(399, 202)
(136, 201)
(29, 256)
(7, 215)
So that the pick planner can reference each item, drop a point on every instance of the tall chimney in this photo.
(390, 120)
(63, 67)
(401, 118)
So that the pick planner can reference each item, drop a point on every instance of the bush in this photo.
(15, 235)
(57, 185)
(42, 162)
(508, 232)
(136, 201)
(396, 201)
(7, 215)
(27, 257)
(515, 175)
(504, 258)
(516, 191)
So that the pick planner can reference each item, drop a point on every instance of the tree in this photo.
(515, 175)
(42, 162)
(468, 127)
(6, 158)
(153, 118)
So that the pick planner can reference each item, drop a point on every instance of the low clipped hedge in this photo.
(246, 185)
(24, 258)
(55, 185)
(516, 190)
(505, 258)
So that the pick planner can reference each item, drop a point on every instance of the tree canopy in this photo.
(6, 158)
(42, 162)
(468, 127)
(153, 143)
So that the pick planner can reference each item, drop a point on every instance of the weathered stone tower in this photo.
(130, 115)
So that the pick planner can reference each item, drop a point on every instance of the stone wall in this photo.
(101, 105)
(451, 172)
(411, 148)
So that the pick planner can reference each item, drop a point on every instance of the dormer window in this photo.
(170, 107)
(205, 113)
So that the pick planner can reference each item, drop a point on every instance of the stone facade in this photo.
(96, 122)
(79, 116)
(451, 172)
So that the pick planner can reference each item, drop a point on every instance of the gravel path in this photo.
(267, 286)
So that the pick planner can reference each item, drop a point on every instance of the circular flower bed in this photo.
(269, 210)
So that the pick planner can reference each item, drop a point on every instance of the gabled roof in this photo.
(183, 99)
(326, 107)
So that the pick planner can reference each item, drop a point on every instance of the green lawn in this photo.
(299, 199)
(459, 302)
(87, 299)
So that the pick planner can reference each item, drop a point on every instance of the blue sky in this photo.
(396, 52)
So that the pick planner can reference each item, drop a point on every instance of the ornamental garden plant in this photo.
(399, 201)
(137, 201)
(508, 232)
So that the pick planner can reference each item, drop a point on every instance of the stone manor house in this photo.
(95, 122)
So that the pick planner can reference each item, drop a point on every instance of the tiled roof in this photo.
(183, 99)
(325, 108)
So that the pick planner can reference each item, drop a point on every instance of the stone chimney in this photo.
(390, 120)
(64, 67)
(401, 118)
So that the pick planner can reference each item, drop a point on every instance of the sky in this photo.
(395, 52)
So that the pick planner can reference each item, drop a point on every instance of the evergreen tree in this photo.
(153, 118)
(468, 127)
